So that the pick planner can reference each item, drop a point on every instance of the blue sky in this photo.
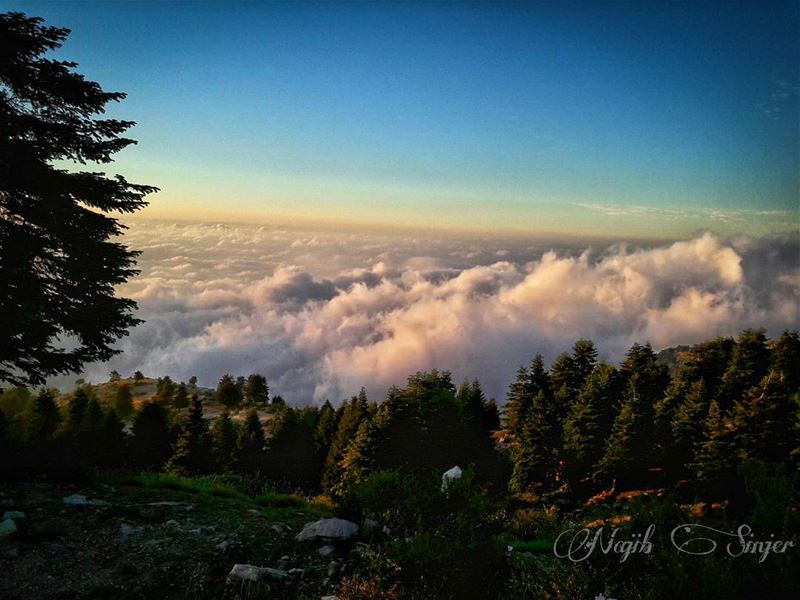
(621, 119)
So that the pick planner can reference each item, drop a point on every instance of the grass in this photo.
(217, 486)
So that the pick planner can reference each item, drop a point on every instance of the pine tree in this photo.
(223, 442)
(688, 429)
(60, 258)
(785, 360)
(588, 426)
(354, 412)
(534, 456)
(256, 390)
(111, 450)
(250, 444)
(165, 390)
(715, 457)
(326, 429)
(76, 413)
(192, 450)
(44, 419)
(630, 452)
(518, 403)
(747, 367)
(123, 401)
(181, 399)
(152, 436)
(227, 393)
(764, 420)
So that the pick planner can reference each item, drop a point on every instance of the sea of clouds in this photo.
(322, 313)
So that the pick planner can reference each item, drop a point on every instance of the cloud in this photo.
(355, 309)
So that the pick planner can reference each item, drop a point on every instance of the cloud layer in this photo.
(323, 313)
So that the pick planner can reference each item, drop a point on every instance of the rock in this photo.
(172, 523)
(278, 528)
(328, 529)
(448, 477)
(329, 598)
(127, 530)
(7, 527)
(254, 512)
(13, 514)
(81, 500)
(252, 573)
(224, 545)
(326, 550)
(296, 572)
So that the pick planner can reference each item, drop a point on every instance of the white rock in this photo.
(13, 514)
(329, 598)
(7, 527)
(448, 477)
(242, 572)
(326, 550)
(81, 500)
(328, 529)
(127, 530)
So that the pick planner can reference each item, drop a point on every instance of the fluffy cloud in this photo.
(323, 313)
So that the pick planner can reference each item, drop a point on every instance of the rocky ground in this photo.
(135, 541)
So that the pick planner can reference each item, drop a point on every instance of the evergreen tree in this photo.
(223, 442)
(715, 457)
(764, 420)
(250, 444)
(60, 257)
(747, 367)
(518, 403)
(114, 376)
(588, 426)
(785, 360)
(291, 459)
(181, 399)
(354, 412)
(584, 361)
(326, 428)
(75, 420)
(256, 390)
(44, 419)
(227, 393)
(630, 452)
(152, 436)
(534, 456)
(138, 376)
(123, 401)
(192, 450)
(193, 381)
(687, 429)
(111, 447)
(165, 390)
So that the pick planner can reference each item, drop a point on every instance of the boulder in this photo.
(328, 529)
(326, 550)
(7, 527)
(13, 514)
(81, 500)
(449, 476)
(241, 573)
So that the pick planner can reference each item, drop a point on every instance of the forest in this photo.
(696, 427)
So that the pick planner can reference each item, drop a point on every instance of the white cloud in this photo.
(323, 319)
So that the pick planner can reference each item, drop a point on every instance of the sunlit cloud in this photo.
(367, 309)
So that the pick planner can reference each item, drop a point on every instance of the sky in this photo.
(621, 120)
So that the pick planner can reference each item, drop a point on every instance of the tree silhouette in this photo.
(58, 267)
